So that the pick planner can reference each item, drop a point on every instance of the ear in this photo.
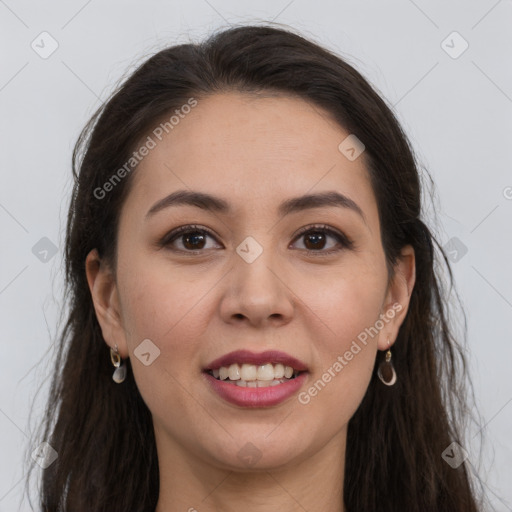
(103, 288)
(398, 296)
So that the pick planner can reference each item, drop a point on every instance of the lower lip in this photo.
(256, 397)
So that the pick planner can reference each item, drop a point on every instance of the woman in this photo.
(256, 322)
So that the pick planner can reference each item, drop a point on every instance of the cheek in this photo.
(165, 305)
(346, 306)
(168, 312)
(345, 330)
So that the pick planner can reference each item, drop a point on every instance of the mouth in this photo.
(244, 368)
(255, 376)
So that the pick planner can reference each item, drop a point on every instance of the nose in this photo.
(257, 293)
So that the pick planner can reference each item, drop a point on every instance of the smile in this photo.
(254, 376)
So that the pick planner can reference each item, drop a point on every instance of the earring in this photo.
(120, 369)
(386, 371)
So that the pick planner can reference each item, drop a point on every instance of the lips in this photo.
(256, 397)
(248, 357)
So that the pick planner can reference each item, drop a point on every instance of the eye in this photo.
(315, 239)
(193, 238)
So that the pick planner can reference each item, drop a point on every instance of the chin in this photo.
(260, 452)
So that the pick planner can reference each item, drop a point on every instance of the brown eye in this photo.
(190, 238)
(316, 238)
(193, 240)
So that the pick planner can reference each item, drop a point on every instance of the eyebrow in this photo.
(216, 204)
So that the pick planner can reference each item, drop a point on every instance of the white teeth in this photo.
(251, 375)
(258, 383)
(278, 371)
(234, 372)
(265, 372)
(248, 372)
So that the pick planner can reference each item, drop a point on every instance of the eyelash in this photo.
(340, 237)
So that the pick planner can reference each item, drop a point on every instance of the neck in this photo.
(188, 483)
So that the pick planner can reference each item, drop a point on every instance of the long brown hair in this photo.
(103, 432)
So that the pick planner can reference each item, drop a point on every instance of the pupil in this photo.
(317, 238)
(188, 237)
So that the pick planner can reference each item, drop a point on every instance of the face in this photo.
(245, 277)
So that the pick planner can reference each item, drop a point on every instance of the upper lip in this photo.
(246, 356)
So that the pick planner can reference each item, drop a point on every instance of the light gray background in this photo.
(457, 112)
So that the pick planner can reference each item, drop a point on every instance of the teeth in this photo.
(265, 372)
(248, 372)
(258, 383)
(279, 371)
(251, 375)
(234, 372)
(223, 373)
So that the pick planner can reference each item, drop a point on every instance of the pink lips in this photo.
(256, 397)
(246, 356)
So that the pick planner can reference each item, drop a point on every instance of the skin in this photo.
(254, 152)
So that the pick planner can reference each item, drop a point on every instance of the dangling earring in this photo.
(386, 371)
(120, 371)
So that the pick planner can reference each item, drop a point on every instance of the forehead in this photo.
(251, 150)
